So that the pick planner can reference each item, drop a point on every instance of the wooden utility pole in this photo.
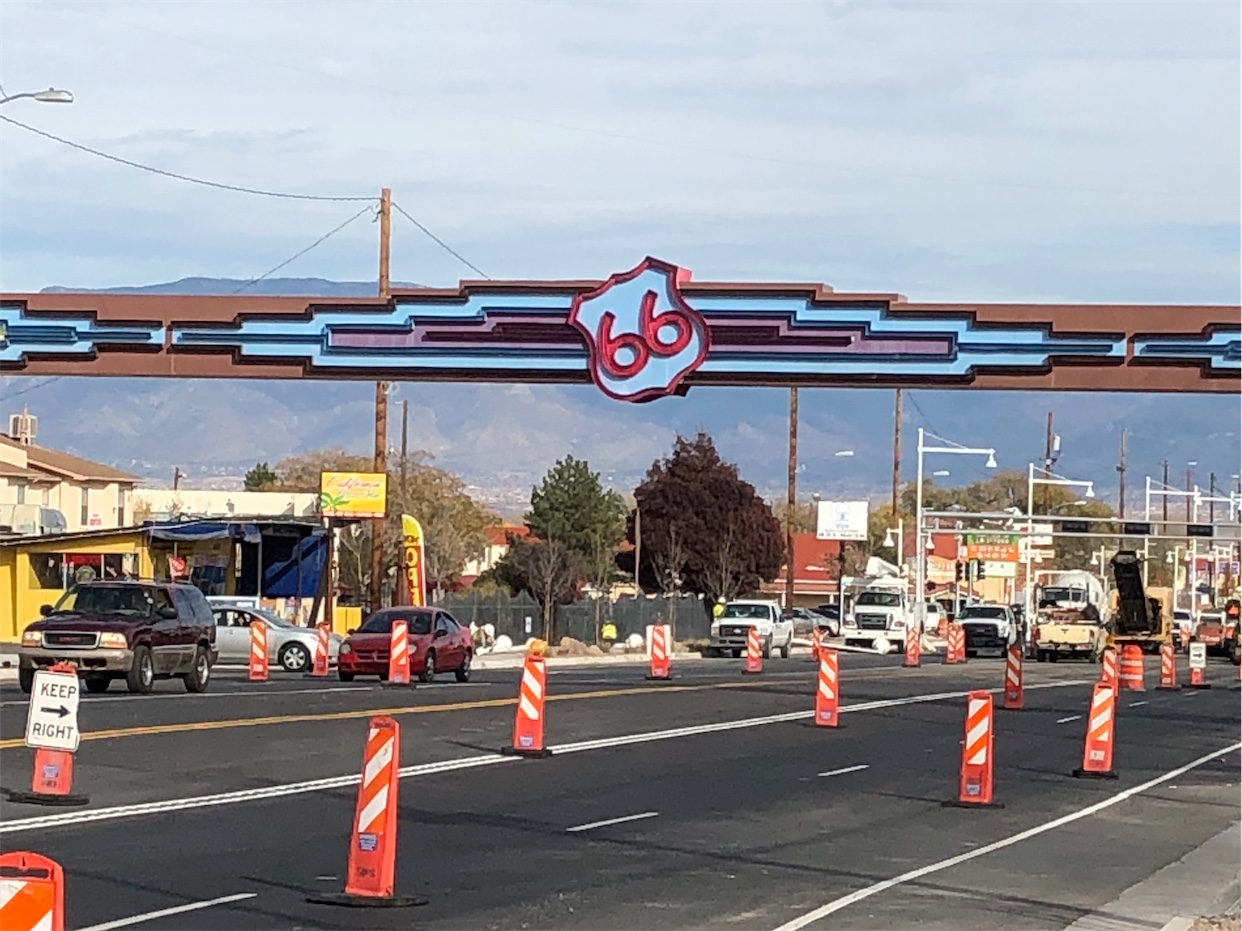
(791, 503)
(1121, 472)
(896, 459)
(1048, 440)
(381, 407)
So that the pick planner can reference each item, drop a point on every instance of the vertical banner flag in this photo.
(413, 562)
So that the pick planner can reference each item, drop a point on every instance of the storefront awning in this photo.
(204, 530)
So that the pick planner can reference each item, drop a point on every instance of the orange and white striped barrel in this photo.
(955, 645)
(660, 636)
(1097, 754)
(399, 653)
(373, 845)
(1108, 667)
(754, 652)
(828, 692)
(1131, 677)
(913, 647)
(528, 723)
(1013, 679)
(32, 893)
(322, 640)
(975, 784)
(1168, 667)
(257, 670)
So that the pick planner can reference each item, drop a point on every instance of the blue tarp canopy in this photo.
(297, 576)
(192, 531)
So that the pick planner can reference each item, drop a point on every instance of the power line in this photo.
(30, 388)
(283, 195)
(441, 243)
(297, 255)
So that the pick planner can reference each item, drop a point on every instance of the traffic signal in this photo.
(979, 571)
(959, 568)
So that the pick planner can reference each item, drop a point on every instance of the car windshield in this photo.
(1061, 594)
(381, 622)
(746, 611)
(126, 600)
(983, 612)
(879, 600)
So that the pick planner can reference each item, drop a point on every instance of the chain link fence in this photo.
(519, 617)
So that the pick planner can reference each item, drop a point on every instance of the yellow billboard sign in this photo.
(353, 494)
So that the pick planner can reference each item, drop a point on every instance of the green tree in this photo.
(571, 507)
(261, 478)
(547, 570)
(697, 511)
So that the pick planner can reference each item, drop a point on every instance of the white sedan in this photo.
(290, 646)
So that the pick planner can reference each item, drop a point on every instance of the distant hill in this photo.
(502, 437)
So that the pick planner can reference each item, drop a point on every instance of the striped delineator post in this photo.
(320, 667)
(975, 781)
(955, 645)
(370, 875)
(1168, 668)
(754, 652)
(528, 720)
(32, 893)
(1013, 679)
(828, 691)
(1097, 754)
(399, 653)
(913, 647)
(660, 636)
(1108, 667)
(257, 667)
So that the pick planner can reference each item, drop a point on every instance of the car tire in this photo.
(428, 674)
(25, 678)
(737, 654)
(141, 676)
(1041, 656)
(785, 648)
(195, 681)
(345, 676)
(767, 648)
(294, 657)
(462, 672)
(97, 685)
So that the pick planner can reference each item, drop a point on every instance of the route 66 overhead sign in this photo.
(52, 722)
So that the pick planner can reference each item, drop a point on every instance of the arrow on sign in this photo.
(61, 711)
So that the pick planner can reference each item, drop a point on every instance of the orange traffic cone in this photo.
(754, 656)
(257, 671)
(913, 647)
(528, 723)
(975, 780)
(371, 871)
(1013, 679)
(828, 694)
(1168, 667)
(51, 782)
(320, 667)
(1097, 754)
(32, 893)
(1108, 667)
(399, 653)
(1131, 668)
(660, 636)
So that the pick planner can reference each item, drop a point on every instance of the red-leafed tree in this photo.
(703, 529)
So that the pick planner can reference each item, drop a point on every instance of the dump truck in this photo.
(1137, 615)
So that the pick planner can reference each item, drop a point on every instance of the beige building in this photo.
(90, 496)
(173, 503)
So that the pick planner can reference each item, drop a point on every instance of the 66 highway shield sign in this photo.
(52, 722)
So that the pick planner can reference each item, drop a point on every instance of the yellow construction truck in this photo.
(1135, 615)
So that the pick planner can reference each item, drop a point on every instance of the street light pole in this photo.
(51, 95)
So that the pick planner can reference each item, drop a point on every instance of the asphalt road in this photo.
(247, 792)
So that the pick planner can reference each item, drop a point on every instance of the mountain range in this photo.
(501, 438)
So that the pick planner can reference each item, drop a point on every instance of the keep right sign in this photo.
(1198, 656)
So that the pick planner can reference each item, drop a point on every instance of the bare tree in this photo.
(667, 561)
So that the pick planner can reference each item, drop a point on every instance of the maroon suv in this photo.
(136, 631)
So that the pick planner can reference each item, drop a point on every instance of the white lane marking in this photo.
(1135, 704)
(175, 910)
(1072, 717)
(846, 769)
(90, 815)
(604, 824)
(845, 901)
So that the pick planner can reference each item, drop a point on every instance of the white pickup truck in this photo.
(732, 627)
(880, 614)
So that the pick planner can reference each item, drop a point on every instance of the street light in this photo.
(51, 95)
(1050, 478)
(920, 574)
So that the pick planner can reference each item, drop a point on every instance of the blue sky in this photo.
(985, 151)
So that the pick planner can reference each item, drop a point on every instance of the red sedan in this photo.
(437, 644)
